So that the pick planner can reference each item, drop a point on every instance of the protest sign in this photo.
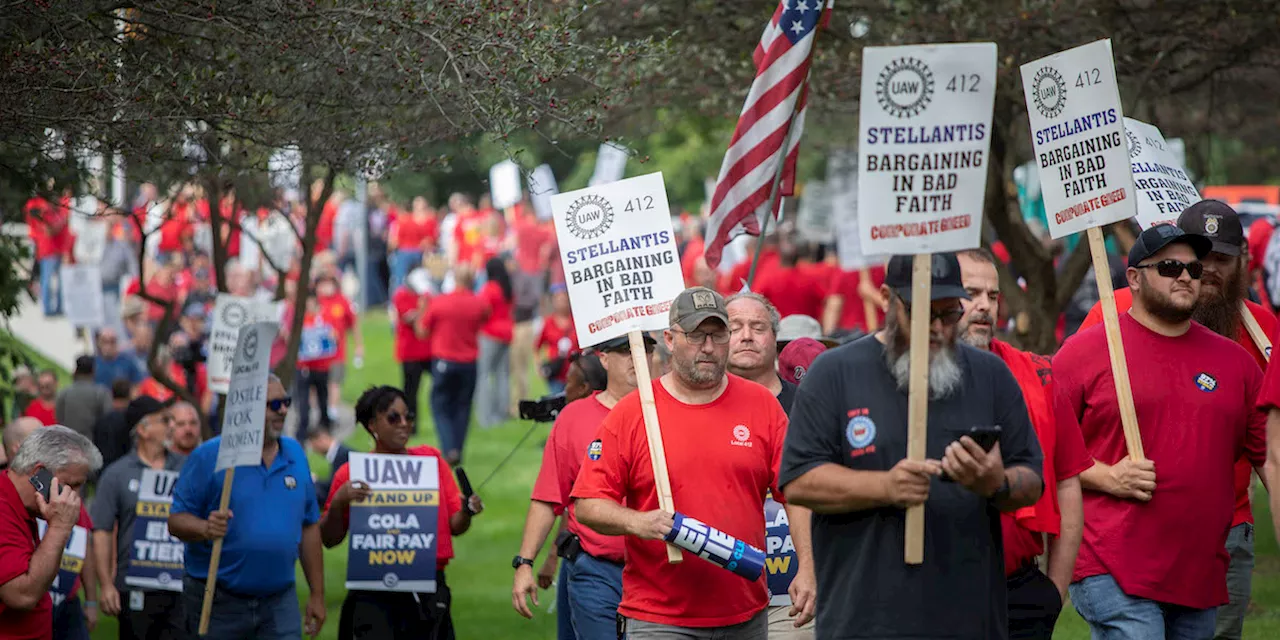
(716, 546)
(91, 241)
(229, 314)
(1078, 139)
(923, 146)
(1077, 134)
(1162, 185)
(611, 164)
(504, 184)
(155, 557)
(814, 219)
(393, 531)
(81, 289)
(780, 553)
(73, 559)
(542, 185)
(622, 271)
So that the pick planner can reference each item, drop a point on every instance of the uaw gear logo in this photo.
(1049, 92)
(741, 436)
(1211, 223)
(251, 345)
(1206, 382)
(290, 482)
(704, 300)
(234, 315)
(905, 87)
(860, 432)
(1135, 147)
(391, 580)
(595, 449)
(589, 217)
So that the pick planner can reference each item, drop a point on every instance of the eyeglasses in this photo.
(395, 417)
(700, 337)
(280, 405)
(1174, 268)
(947, 316)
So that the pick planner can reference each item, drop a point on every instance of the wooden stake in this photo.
(918, 392)
(211, 584)
(1115, 346)
(1259, 336)
(657, 454)
(868, 308)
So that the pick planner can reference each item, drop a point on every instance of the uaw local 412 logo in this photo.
(1135, 147)
(590, 217)
(1050, 92)
(905, 87)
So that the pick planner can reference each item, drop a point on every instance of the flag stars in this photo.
(797, 26)
(802, 6)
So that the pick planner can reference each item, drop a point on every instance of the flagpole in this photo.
(777, 182)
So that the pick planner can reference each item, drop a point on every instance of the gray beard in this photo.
(945, 375)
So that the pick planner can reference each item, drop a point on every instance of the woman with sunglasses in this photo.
(383, 412)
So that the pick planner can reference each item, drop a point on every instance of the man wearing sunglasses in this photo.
(1194, 392)
(846, 459)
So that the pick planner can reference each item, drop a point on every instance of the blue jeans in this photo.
(402, 262)
(595, 587)
(68, 621)
(564, 608)
(51, 285)
(1114, 615)
(241, 617)
(1230, 624)
(452, 390)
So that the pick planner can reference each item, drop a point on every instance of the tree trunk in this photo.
(288, 365)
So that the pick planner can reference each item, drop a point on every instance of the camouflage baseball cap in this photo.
(696, 304)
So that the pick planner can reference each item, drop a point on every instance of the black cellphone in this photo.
(986, 437)
(43, 482)
(464, 482)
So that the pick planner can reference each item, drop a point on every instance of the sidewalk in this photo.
(53, 338)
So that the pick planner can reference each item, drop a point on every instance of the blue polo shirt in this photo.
(269, 508)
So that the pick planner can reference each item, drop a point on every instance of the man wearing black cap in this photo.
(845, 459)
(591, 576)
(1194, 393)
(1223, 289)
(723, 439)
(143, 613)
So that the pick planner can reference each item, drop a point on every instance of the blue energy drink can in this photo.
(708, 543)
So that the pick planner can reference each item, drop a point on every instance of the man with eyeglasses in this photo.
(272, 521)
(143, 613)
(1223, 287)
(723, 440)
(846, 459)
(1152, 562)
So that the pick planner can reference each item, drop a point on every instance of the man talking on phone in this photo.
(42, 481)
(845, 458)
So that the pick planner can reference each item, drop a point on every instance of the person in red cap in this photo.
(1223, 291)
(1195, 412)
(795, 359)
(1035, 599)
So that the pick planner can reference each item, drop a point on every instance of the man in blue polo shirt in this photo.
(272, 515)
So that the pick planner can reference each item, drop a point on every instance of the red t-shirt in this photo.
(155, 312)
(500, 325)
(47, 226)
(338, 312)
(793, 291)
(1195, 397)
(1266, 320)
(562, 457)
(41, 411)
(410, 233)
(1064, 456)
(689, 259)
(176, 227)
(558, 341)
(409, 347)
(324, 227)
(450, 500)
(719, 473)
(18, 539)
(467, 234)
(531, 237)
(853, 314)
(453, 321)
(732, 283)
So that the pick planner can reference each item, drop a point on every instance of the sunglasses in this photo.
(947, 316)
(280, 405)
(1174, 268)
(395, 417)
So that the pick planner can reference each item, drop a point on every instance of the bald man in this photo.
(15, 433)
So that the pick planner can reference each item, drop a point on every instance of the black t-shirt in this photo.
(787, 396)
(849, 411)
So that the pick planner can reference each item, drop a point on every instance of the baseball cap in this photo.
(1151, 241)
(795, 358)
(946, 277)
(696, 304)
(622, 342)
(798, 325)
(1218, 222)
(141, 407)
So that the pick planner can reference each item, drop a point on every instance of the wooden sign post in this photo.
(1256, 333)
(653, 432)
(918, 392)
(1115, 346)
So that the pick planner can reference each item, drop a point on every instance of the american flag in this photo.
(780, 89)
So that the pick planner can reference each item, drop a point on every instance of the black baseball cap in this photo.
(1218, 222)
(946, 277)
(141, 407)
(622, 342)
(1162, 235)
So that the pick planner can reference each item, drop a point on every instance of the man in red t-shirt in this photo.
(590, 602)
(1223, 288)
(413, 349)
(317, 353)
(847, 298)
(1194, 392)
(42, 407)
(48, 227)
(452, 324)
(723, 440)
(1033, 607)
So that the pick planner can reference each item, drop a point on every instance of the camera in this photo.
(544, 409)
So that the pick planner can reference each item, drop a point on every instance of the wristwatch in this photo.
(519, 560)
(1004, 491)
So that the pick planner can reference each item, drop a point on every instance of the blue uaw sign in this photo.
(780, 553)
(393, 532)
(155, 557)
(714, 545)
(73, 559)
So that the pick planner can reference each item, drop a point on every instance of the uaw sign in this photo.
(619, 254)
(246, 414)
(922, 146)
(716, 546)
(1163, 187)
(393, 531)
(780, 554)
(229, 314)
(155, 557)
(73, 559)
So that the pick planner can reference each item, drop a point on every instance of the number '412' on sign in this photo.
(644, 203)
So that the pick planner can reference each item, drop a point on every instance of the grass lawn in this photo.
(480, 574)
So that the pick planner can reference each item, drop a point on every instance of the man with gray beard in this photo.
(845, 458)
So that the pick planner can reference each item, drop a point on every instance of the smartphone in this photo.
(42, 480)
(986, 437)
(464, 482)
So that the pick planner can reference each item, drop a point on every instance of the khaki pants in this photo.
(781, 626)
(521, 361)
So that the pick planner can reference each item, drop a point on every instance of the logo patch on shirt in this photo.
(290, 482)
(861, 432)
(1206, 382)
(133, 486)
(595, 449)
(741, 436)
